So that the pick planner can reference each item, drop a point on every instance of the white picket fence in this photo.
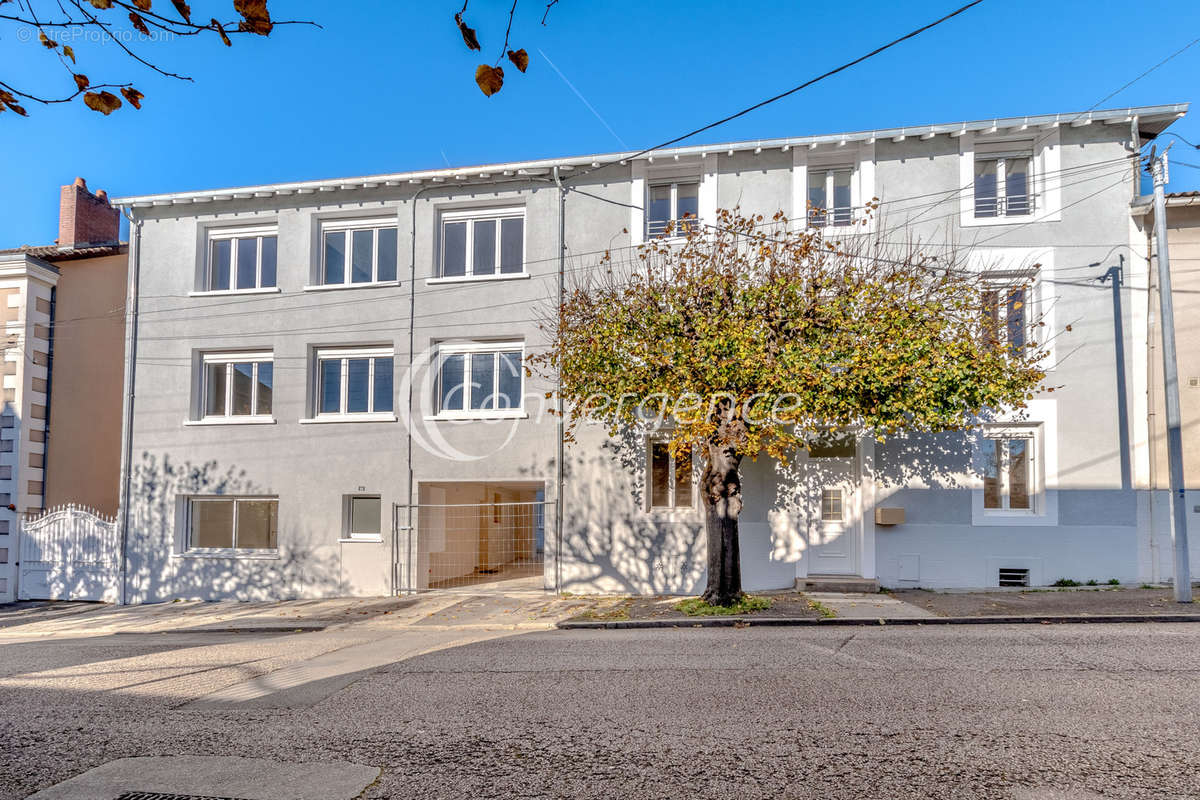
(69, 553)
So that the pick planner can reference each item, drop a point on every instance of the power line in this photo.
(788, 93)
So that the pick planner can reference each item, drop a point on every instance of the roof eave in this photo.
(1152, 119)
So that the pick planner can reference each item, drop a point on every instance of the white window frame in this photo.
(1003, 283)
(674, 508)
(345, 354)
(348, 534)
(471, 348)
(471, 216)
(233, 235)
(348, 227)
(229, 359)
(185, 540)
(1044, 148)
(829, 171)
(1001, 435)
(1001, 161)
(674, 183)
(1043, 466)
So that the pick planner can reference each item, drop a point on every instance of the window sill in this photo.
(228, 292)
(514, 276)
(188, 423)
(971, 221)
(348, 418)
(361, 539)
(675, 516)
(462, 416)
(243, 555)
(336, 287)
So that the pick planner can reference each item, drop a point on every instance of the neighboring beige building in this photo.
(63, 308)
(1183, 237)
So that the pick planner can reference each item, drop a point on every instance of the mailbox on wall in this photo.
(889, 516)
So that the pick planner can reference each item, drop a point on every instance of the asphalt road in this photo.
(1063, 711)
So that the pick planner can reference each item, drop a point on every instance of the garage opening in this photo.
(485, 536)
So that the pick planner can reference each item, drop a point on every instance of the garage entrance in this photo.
(485, 536)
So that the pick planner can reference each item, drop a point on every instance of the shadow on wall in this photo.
(610, 542)
(159, 568)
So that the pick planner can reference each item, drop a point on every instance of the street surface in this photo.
(487, 710)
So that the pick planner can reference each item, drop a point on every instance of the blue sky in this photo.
(388, 86)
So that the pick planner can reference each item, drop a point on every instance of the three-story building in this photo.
(326, 393)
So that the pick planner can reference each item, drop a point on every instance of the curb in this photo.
(809, 622)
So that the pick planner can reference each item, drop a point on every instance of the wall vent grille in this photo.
(1014, 577)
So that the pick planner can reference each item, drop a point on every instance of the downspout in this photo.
(560, 480)
(412, 339)
(49, 390)
(131, 331)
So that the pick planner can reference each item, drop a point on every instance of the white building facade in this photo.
(326, 394)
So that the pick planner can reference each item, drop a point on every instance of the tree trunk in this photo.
(721, 490)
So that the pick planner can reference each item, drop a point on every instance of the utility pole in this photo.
(1183, 578)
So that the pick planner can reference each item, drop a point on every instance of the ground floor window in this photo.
(1008, 466)
(232, 523)
(364, 517)
(669, 476)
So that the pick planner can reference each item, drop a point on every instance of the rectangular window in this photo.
(1006, 317)
(364, 517)
(1003, 185)
(670, 476)
(241, 259)
(673, 207)
(483, 243)
(358, 252)
(831, 505)
(1008, 460)
(354, 381)
(237, 386)
(829, 196)
(480, 379)
(232, 523)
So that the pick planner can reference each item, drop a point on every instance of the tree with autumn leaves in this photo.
(750, 338)
(50, 19)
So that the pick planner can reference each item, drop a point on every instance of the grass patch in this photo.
(746, 604)
(1113, 582)
(822, 609)
(1066, 582)
(615, 612)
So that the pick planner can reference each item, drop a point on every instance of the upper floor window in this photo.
(672, 205)
(670, 476)
(480, 378)
(482, 244)
(829, 196)
(1006, 316)
(1003, 184)
(358, 251)
(232, 523)
(1009, 480)
(354, 381)
(237, 386)
(241, 259)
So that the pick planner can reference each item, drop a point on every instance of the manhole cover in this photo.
(169, 796)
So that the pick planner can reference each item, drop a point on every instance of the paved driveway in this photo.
(1062, 711)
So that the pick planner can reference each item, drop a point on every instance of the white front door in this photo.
(831, 499)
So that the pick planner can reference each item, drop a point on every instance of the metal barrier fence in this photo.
(457, 545)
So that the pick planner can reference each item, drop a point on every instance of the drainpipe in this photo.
(559, 466)
(412, 338)
(131, 331)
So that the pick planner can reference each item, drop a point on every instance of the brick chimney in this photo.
(85, 218)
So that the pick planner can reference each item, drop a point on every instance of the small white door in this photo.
(831, 500)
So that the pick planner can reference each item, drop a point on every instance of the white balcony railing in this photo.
(1014, 205)
(657, 228)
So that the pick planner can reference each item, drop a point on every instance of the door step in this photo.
(846, 584)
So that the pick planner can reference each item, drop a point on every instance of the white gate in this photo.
(69, 553)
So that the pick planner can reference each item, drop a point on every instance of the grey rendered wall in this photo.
(611, 543)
